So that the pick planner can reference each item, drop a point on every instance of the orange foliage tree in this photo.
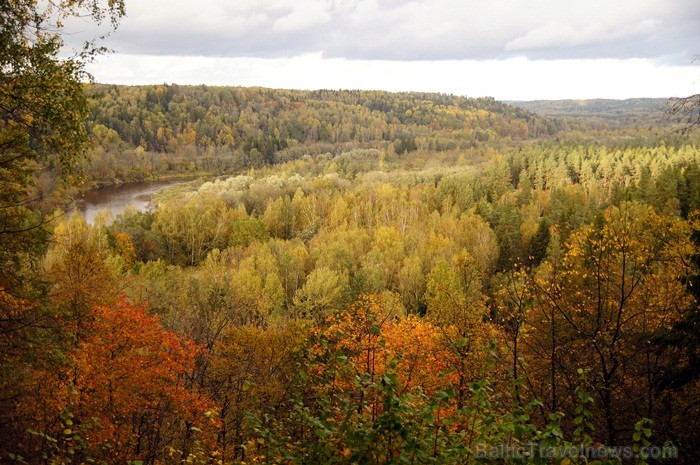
(377, 387)
(372, 337)
(424, 356)
(128, 398)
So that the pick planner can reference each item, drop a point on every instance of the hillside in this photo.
(145, 131)
(630, 110)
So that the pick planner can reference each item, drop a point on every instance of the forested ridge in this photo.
(146, 131)
(633, 109)
(355, 277)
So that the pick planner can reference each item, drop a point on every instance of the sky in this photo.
(507, 49)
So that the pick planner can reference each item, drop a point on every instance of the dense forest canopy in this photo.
(557, 274)
(616, 111)
(145, 131)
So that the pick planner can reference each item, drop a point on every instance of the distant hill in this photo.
(623, 111)
(168, 118)
(142, 132)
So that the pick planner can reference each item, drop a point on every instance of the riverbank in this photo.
(166, 177)
(116, 198)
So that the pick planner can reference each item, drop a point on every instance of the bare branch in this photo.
(685, 111)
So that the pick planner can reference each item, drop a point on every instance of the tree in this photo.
(512, 299)
(42, 136)
(128, 394)
(80, 275)
(445, 297)
(246, 230)
(252, 370)
(323, 291)
(42, 108)
(619, 287)
(195, 227)
(687, 111)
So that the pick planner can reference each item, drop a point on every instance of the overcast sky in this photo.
(508, 49)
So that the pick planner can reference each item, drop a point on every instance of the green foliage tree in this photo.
(42, 111)
(323, 291)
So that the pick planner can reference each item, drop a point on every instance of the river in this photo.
(116, 198)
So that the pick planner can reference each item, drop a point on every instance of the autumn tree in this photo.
(128, 398)
(252, 373)
(512, 301)
(324, 290)
(620, 285)
(42, 135)
(81, 274)
(194, 228)
(42, 107)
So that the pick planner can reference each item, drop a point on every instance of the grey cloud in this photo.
(413, 30)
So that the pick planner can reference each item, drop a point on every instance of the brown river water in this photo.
(118, 197)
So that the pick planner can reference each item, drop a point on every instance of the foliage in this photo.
(542, 262)
(42, 137)
(146, 131)
(129, 393)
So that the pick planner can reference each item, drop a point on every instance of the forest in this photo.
(141, 132)
(355, 277)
